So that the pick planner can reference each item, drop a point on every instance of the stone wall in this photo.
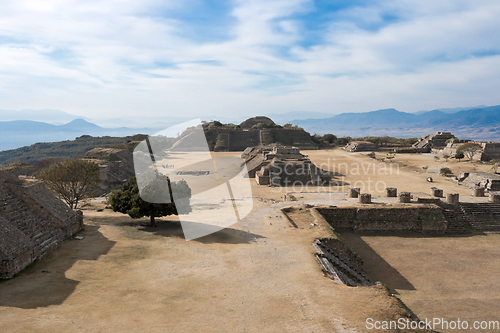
(240, 140)
(491, 151)
(425, 218)
(33, 222)
(489, 181)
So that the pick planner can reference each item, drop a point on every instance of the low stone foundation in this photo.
(427, 200)
(392, 218)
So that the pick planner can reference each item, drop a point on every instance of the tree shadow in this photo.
(44, 282)
(374, 265)
(174, 229)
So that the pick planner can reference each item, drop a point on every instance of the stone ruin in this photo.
(432, 141)
(355, 146)
(282, 166)
(257, 157)
(256, 131)
(116, 167)
(32, 222)
(489, 150)
(488, 181)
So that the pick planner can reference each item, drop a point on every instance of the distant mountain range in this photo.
(18, 133)
(26, 127)
(481, 123)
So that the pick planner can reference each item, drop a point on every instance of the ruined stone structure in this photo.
(32, 222)
(433, 216)
(432, 141)
(283, 166)
(258, 157)
(356, 146)
(341, 263)
(116, 167)
(247, 134)
(489, 181)
(490, 150)
(423, 218)
(251, 122)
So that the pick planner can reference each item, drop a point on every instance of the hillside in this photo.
(65, 149)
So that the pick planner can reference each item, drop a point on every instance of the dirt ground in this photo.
(437, 277)
(259, 275)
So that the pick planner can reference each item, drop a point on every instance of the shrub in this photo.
(445, 172)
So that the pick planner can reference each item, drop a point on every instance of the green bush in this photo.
(445, 172)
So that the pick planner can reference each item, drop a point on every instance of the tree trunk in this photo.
(152, 219)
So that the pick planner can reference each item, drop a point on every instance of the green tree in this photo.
(445, 172)
(127, 200)
(459, 156)
(470, 149)
(330, 138)
(72, 180)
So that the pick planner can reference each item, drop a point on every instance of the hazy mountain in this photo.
(452, 110)
(45, 115)
(18, 133)
(479, 123)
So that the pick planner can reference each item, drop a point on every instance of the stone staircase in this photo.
(341, 269)
(457, 223)
(15, 211)
(483, 217)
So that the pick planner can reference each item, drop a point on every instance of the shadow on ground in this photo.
(375, 266)
(174, 229)
(44, 283)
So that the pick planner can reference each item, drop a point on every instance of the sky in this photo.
(193, 58)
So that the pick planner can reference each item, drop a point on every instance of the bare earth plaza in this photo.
(375, 243)
(249, 166)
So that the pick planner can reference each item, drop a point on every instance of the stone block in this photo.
(478, 192)
(365, 198)
(404, 197)
(452, 198)
(392, 192)
(495, 197)
(354, 192)
(437, 192)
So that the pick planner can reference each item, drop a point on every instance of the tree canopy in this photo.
(469, 149)
(72, 180)
(128, 200)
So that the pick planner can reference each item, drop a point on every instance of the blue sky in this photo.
(194, 58)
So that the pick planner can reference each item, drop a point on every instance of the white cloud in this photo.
(123, 57)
